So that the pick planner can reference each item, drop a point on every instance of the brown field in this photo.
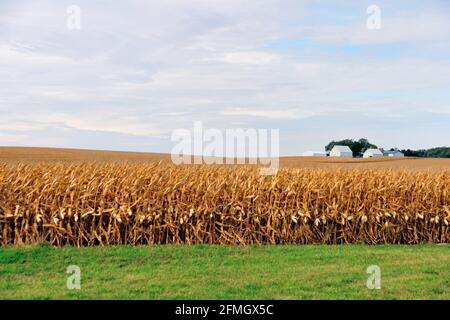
(15, 155)
(84, 198)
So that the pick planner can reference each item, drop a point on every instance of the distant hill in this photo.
(66, 155)
(27, 155)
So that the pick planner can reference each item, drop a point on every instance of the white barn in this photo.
(341, 151)
(314, 154)
(372, 153)
(395, 153)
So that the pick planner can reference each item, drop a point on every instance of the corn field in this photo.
(106, 204)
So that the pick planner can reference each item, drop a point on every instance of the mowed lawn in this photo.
(224, 272)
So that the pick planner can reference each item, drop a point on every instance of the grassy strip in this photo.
(225, 272)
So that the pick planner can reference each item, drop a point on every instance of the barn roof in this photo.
(392, 152)
(374, 151)
(342, 148)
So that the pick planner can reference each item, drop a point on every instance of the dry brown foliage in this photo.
(112, 203)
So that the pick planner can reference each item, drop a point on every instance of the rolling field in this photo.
(416, 164)
(106, 201)
(16, 155)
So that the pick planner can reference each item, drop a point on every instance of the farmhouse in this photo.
(372, 153)
(341, 151)
(314, 154)
(393, 153)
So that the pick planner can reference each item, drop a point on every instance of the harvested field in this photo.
(368, 163)
(116, 203)
(17, 155)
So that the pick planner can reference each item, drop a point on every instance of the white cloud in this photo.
(269, 114)
(106, 125)
(145, 68)
(257, 58)
(21, 125)
(409, 25)
(7, 139)
(12, 56)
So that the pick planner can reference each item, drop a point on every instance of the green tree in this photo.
(358, 147)
(441, 152)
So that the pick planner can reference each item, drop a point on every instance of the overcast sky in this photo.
(137, 70)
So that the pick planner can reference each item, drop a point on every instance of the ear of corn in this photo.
(105, 204)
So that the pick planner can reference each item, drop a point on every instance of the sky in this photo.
(135, 71)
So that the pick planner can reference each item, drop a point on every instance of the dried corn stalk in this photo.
(101, 204)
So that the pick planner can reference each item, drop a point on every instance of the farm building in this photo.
(372, 153)
(393, 153)
(341, 151)
(314, 154)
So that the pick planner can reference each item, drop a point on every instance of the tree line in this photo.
(441, 152)
(358, 147)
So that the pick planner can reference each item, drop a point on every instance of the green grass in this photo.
(221, 272)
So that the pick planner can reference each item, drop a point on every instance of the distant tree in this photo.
(441, 152)
(358, 147)
(414, 153)
(346, 142)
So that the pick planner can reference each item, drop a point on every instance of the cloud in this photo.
(12, 139)
(142, 69)
(11, 55)
(124, 126)
(83, 122)
(257, 58)
(269, 114)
